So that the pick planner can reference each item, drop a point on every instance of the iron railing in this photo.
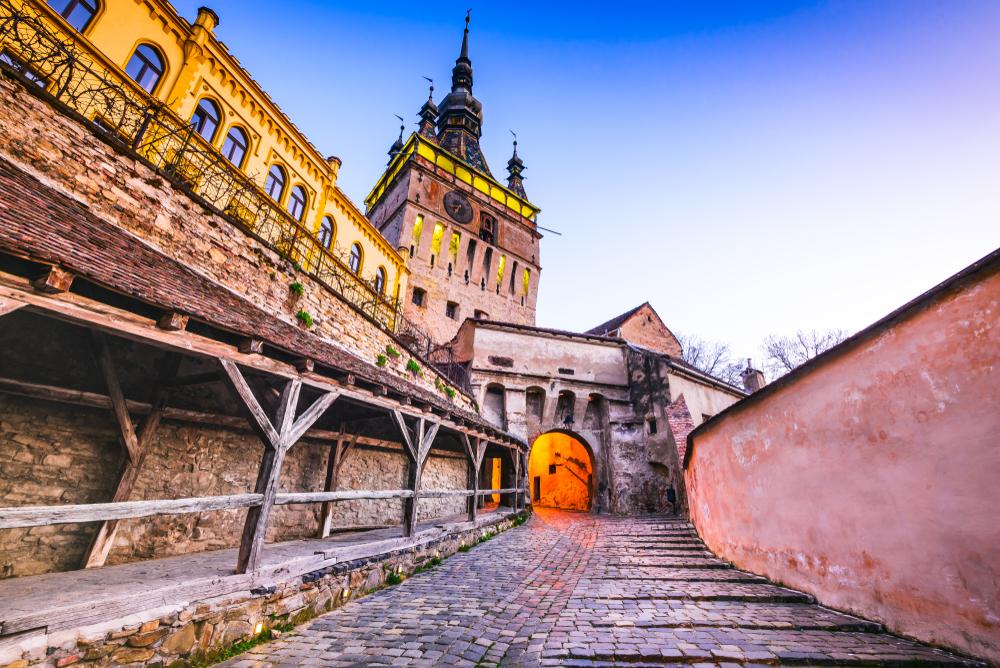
(125, 113)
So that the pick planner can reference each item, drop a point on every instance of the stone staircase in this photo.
(653, 595)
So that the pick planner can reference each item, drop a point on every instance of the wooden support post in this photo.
(418, 445)
(474, 449)
(278, 437)
(104, 539)
(338, 454)
(517, 479)
(8, 305)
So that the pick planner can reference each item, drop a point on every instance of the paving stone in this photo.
(573, 589)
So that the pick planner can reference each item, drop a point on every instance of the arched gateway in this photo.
(561, 471)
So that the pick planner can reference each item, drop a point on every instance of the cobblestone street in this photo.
(573, 589)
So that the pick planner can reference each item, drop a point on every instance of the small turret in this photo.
(428, 115)
(515, 166)
(397, 145)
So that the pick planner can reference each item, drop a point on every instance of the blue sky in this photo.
(748, 168)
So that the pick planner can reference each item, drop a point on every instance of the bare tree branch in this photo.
(713, 357)
(784, 353)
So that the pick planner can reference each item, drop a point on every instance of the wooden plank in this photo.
(33, 516)
(8, 305)
(250, 346)
(245, 398)
(473, 463)
(104, 539)
(107, 368)
(291, 498)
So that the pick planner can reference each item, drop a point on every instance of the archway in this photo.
(561, 472)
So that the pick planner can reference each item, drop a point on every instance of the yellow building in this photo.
(272, 179)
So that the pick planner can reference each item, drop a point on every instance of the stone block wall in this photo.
(58, 454)
(178, 635)
(66, 154)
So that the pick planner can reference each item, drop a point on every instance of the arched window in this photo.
(235, 145)
(326, 229)
(146, 66)
(380, 280)
(297, 202)
(274, 185)
(78, 13)
(205, 120)
(354, 262)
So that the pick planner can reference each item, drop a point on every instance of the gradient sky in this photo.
(748, 168)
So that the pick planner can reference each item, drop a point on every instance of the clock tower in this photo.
(471, 241)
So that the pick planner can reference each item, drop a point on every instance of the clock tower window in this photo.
(487, 228)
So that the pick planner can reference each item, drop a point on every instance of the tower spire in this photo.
(460, 122)
(514, 167)
(428, 115)
(397, 145)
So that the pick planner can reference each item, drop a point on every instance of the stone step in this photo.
(640, 589)
(701, 644)
(664, 560)
(667, 573)
(661, 613)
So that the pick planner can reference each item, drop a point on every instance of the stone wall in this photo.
(868, 477)
(58, 454)
(65, 154)
(178, 635)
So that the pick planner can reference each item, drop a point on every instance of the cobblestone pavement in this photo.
(572, 589)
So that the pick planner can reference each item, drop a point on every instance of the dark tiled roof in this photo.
(616, 322)
(41, 224)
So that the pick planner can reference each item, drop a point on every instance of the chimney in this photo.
(753, 379)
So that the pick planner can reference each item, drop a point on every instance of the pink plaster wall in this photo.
(872, 479)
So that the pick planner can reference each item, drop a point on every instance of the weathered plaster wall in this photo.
(568, 485)
(56, 454)
(700, 398)
(871, 480)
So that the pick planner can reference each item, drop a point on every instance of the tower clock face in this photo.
(458, 206)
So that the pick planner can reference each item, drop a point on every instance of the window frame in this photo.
(218, 119)
(356, 258)
(246, 148)
(163, 65)
(67, 11)
(421, 301)
(293, 200)
(284, 181)
(381, 277)
(327, 231)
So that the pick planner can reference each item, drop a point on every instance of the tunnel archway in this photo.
(561, 471)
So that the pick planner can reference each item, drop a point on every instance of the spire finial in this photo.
(402, 126)
(430, 94)
(515, 142)
(397, 145)
(465, 36)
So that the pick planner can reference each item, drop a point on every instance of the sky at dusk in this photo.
(748, 168)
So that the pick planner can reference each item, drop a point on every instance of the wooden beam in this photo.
(86, 312)
(338, 454)
(248, 403)
(53, 281)
(195, 379)
(107, 368)
(309, 417)
(425, 438)
(250, 346)
(104, 539)
(8, 305)
(172, 321)
(306, 365)
(404, 432)
(33, 516)
(344, 495)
